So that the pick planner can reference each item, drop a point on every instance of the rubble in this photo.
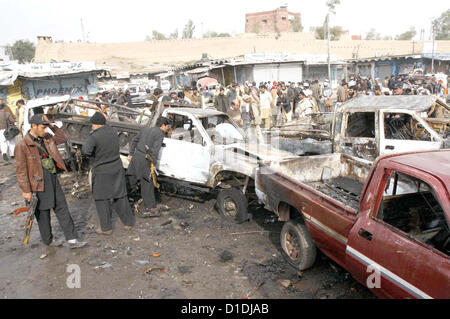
(225, 256)
(284, 283)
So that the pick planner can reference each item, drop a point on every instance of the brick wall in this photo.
(269, 21)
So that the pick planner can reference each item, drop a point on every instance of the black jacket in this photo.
(283, 101)
(108, 175)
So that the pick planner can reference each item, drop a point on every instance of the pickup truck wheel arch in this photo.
(232, 205)
(297, 246)
(287, 212)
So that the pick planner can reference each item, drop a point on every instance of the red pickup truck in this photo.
(387, 223)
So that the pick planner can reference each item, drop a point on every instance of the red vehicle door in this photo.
(400, 247)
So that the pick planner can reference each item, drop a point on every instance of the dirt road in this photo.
(200, 255)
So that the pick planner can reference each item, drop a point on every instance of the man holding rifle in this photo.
(144, 151)
(37, 163)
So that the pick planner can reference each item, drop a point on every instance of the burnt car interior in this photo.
(361, 124)
(183, 129)
(210, 123)
(401, 126)
(411, 206)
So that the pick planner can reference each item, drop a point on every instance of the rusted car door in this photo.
(391, 255)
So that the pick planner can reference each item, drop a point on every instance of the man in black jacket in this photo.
(148, 141)
(221, 102)
(108, 176)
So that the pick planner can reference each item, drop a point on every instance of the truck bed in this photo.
(338, 176)
(342, 189)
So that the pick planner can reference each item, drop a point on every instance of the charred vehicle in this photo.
(370, 126)
(387, 224)
(204, 153)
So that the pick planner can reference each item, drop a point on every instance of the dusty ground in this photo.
(201, 255)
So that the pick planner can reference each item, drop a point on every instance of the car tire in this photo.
(232, 205)
(297, 246)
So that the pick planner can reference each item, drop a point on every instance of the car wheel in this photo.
(232, 205)
(297, 246)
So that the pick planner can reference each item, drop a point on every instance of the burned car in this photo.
(370, 126)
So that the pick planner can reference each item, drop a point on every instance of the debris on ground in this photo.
(142, 262)
(284, 283)
(103, 265)
(149, 270)
(225, 255)
(43, 256)
(166, 223)
(185, 269)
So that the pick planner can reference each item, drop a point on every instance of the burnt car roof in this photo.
(419, 103)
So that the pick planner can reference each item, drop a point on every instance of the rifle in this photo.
(30, 208)
(152, 167)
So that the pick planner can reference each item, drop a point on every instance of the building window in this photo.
(264, 21)
(283, 18)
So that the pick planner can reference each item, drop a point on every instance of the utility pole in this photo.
(432, 55)
(329, 47)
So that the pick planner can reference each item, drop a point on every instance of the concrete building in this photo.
(278, 20)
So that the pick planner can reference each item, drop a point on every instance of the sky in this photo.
(131, 20)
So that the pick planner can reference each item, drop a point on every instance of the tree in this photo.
(21, 50)
(373, 35)
(296, 24)
(158, 35)
(214, 34)
(408, 35)
(335, 33)
(331, 4)
(188, 31)
(441, 26)
(174, 35)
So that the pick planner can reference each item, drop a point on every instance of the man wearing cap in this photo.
(144, 117)
(37, 163)
(304, 107)
(108, 176)
(148, 141)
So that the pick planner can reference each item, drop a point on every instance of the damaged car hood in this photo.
(260, 151)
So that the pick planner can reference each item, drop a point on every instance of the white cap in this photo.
(306, 84)
(148, 101)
